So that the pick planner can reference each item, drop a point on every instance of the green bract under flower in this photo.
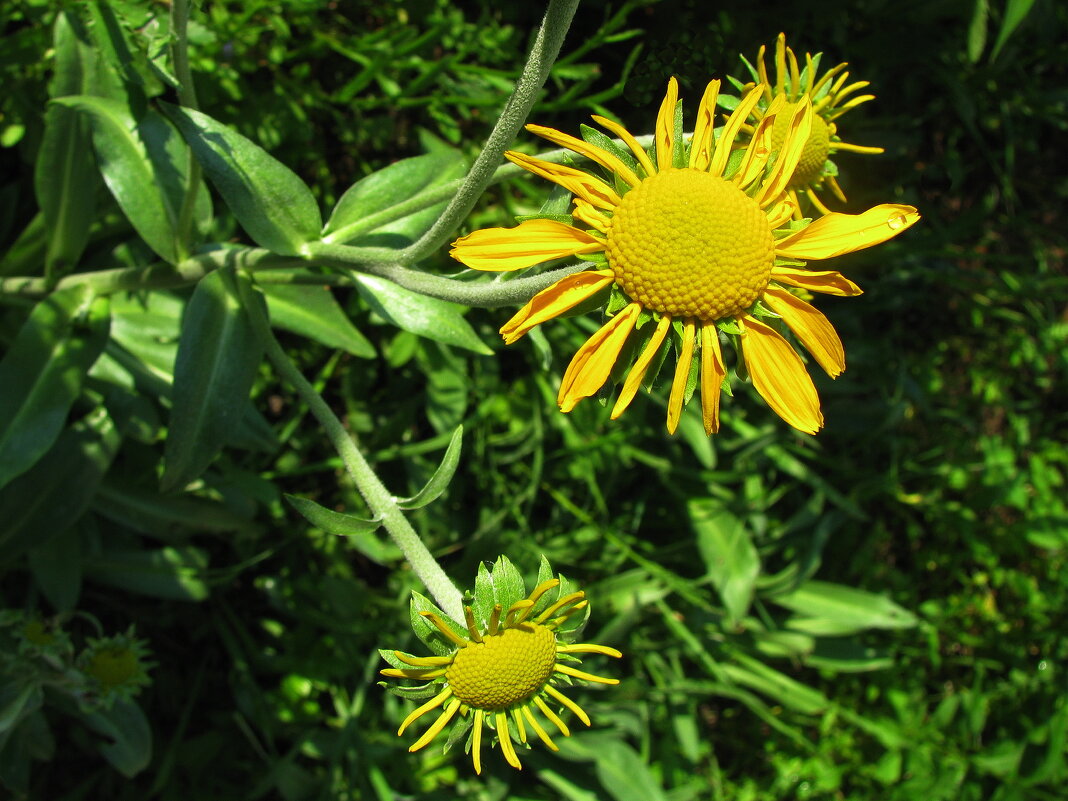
(501, 670)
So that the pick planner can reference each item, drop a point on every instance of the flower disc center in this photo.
(690, 244)
(817, 146)
(504, 669)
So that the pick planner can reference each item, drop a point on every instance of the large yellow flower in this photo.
(830, 95)
(502, 670)
(693, 239)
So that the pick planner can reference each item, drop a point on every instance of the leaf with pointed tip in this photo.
(357, 529)
(312, 311)
(271, 202)
(438, 482)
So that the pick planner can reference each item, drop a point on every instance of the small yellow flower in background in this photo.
(830, 96)
(502, 670)
(691, 240)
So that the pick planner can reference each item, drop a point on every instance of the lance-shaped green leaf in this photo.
(174, 574)
(42, 373)
(166, 518)
(57, 569)
(270, 201)
(429, 317)
(218, 354)
(834, 609)
(359, 531)
(129, 746)
(729, 555)
(438, 482)
(312, 311)
(50, 497)
(65, 176)
(138, 161)
(355, 220)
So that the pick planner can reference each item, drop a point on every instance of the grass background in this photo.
(937, 483)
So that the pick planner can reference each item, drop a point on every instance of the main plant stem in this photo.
(374, 492)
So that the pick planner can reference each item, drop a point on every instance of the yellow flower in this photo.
(692, 240)
(829, 95)
(501, 670)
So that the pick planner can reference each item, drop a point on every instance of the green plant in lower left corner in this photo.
(44, 674)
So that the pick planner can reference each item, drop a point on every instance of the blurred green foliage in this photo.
(870, 614)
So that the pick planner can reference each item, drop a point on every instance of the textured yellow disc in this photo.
(503, 669)
(817, 146)
(690, 244)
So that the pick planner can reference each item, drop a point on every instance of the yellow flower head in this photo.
(831, 96)
(690, 240)
(498, 671)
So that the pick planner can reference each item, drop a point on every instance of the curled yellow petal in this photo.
(629, 141)
(712, 373)
(529, 243)
(565, 294)
(703, 130)
(780, 377)
(581, 184)
(665, 126)
(641, 365)
(730, 130)
(829, 282)
(793, 145)
(682, 373)
(810, 326)
(592, 152)
(835, 234)
(593, 362)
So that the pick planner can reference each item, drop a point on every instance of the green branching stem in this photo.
(378, 498)
(542, 55)
(187, 96)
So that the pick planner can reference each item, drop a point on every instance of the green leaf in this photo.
(779, 687)
(1015, 11)
(17, 700)
(438, 482)
(218, 355)
(270, 201)
(57, 569)
(353, 221)
(834, 609)
(729, 555)
(312, 311)
(42, 372)
(173, 574)
(508, 585)
(136, 158)
(428, 317)
(127, 727)
(164, 517)
(51, 496)
(358, 530)
(977, 30)
(482, 607)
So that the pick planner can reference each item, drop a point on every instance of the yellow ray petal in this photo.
(414, 673)
(828, 75)
(588, 648)
(793, 145)
(795, 74)
(712, 373)
(810, 326)
(780, 377)
(641, 365)
(844, 92)
(836, 146)
(813, 198)
(552, 716)
(762, 73)
(433, 703)
(836, 233)
(832, 182)
(592, 152)
(585, 212)
(440, 625)
(593, 362)
(665, 126)
(842, 109)
(563, 699)
(542, 734)
(520, 728)
(682, 373)
(730, 130)
(505, 738)
(630, 141)
(476, 742)
(829, 282)
(423, 661)
(780, 63)
(531, 242)
(439, 724)
(567, 600)
(565, 294)
(581, 184)
(581, 674)
(758, 151)
(704, 128)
